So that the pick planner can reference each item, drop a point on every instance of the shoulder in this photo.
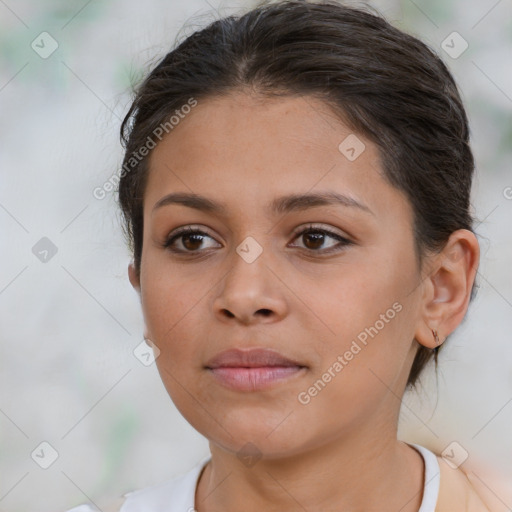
(110, 506)
(457, 491)
(113, 506)
(173, 495)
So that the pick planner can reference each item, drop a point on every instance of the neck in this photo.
(359, 473)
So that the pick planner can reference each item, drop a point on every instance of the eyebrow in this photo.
(280, 205)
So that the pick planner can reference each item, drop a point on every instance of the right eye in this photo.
(186, 240)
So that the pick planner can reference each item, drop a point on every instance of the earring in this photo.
(436, 337)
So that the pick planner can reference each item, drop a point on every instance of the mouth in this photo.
(253, 369)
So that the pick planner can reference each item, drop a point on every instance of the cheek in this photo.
(370, 322)
(170, 307)
(167, 291)
(359, 366)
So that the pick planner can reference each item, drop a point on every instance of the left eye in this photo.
(314, 238)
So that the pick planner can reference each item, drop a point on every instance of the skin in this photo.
(340, 451)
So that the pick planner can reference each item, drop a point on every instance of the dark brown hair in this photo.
(382, 82)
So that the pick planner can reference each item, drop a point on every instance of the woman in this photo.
(296, 190)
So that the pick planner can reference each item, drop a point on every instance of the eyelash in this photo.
(344, 242)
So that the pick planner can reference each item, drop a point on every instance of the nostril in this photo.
(263, 312)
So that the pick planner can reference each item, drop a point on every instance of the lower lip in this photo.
(254, 379)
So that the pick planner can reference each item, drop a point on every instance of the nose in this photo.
(250, 293)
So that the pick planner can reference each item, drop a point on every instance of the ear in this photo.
(134, 277)
(447, 287)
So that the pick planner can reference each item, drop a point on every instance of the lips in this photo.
(250, 358)
(253, 370)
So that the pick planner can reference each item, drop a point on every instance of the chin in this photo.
(249, 435)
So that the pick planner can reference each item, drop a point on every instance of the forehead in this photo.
(246, 148)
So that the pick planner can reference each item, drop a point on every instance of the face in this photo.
(333, 286)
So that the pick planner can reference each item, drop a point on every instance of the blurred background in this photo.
(83, 413)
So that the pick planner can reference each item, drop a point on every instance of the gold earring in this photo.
(436, 337)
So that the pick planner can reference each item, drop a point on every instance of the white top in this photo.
(178, 494)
